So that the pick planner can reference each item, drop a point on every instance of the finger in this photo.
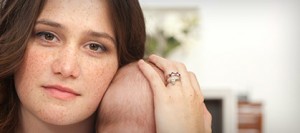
(207, 120)
(165, 65)
(169, 67)
(152, 76)
(196, 85)
(185, 78)
(160, 72)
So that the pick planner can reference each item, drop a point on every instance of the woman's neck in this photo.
(31, 124)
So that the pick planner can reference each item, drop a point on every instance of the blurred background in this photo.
(245, 54)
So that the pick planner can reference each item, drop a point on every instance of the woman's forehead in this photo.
(89, 14)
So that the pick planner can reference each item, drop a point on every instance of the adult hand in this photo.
(179, 107)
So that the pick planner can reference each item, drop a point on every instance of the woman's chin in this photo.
(61, 117)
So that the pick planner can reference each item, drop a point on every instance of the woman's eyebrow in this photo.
(50, 23)
(101, 34)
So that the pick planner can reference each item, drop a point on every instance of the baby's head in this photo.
(127, 106)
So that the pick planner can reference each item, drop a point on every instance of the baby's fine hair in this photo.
(127, 104)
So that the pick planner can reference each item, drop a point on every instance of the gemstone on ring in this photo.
(173, 77)
(174, 74)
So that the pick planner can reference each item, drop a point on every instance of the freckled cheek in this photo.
(37, 61)
(99, 79)
(37, 64)
(31, 70)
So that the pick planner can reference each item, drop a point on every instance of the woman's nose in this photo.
(66, 63)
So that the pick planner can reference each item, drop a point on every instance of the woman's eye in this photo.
(47, 36)
(98, 48)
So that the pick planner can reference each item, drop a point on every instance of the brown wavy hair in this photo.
(17, 20)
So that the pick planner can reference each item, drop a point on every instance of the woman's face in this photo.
(69, 62)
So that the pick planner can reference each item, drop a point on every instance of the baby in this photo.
(127, 106)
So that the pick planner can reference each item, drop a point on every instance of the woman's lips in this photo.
(60, 92)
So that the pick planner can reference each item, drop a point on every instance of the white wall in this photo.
(247, 46)
(252, 46)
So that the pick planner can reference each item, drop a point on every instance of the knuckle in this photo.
(209, 116)
(181, 65)
(192, 75)
(201, 98)
(152, 56)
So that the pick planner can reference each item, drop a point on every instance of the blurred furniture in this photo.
(249, 117)
(222, 104)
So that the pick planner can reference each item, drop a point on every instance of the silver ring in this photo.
(173, 77)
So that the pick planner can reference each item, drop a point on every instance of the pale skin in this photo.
(179, 108)
(72, 47)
